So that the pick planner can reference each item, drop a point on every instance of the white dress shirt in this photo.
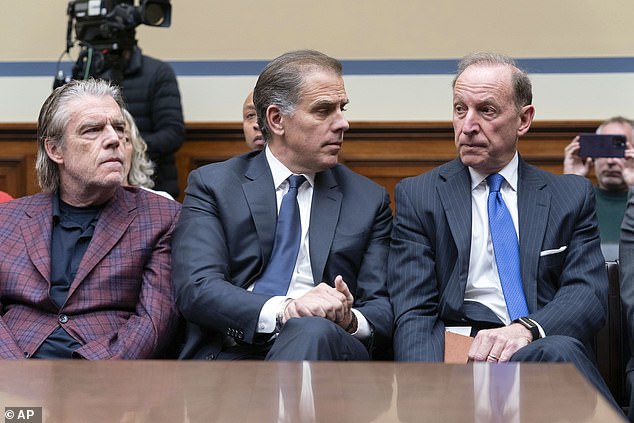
(302, 279)
(483, 282)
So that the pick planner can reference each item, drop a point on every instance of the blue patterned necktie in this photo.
(506, 249)
(277, 275)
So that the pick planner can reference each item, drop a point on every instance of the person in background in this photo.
(614, 177)
(281, 254)
(86, 263)
(139, 169)
(151, 94)
(493, 244)
(250, 127)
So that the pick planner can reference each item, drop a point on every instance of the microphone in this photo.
(60, 79)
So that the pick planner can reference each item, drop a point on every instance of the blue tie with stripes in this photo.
(506, 249)
(277, 275)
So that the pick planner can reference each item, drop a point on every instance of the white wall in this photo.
(202, 30)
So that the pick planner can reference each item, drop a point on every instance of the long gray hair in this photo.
(53, 120)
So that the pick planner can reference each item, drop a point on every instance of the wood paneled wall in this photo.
(383, 151)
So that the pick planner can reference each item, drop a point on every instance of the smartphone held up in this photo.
(601, 145)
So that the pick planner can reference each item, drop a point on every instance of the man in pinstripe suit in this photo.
(85, 271)
(442, 269)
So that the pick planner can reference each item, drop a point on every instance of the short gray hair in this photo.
(618, 120)
(53, 120)
(522, 87)
(282, 80)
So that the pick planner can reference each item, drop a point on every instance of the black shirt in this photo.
(73, 228)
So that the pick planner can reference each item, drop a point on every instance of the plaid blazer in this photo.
(120, 304)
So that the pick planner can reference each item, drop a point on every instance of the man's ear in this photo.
(526, 119)
(53, 151)
(275, 119)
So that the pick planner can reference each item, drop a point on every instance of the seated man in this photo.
(309, 284)
(455, 255)
(614, 177)
(86, 263)
(626, 270)
(250, 127)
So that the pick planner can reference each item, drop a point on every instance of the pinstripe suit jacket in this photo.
(120, 304)
(224, 239)
(429, 256)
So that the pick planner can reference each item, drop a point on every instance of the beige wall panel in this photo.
(352, 29)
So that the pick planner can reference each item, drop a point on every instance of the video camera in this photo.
(104, 29)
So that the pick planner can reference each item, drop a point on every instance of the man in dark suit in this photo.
(335, 304)
(85, 271)
(444, 266)
(626, 268)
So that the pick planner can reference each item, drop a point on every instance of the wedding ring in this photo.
(492, 357)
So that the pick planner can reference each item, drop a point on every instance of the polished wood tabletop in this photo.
(250, 391)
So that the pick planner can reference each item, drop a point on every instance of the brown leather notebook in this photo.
(457, 347)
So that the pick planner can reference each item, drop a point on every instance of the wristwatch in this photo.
(530, 325)
(279, 317)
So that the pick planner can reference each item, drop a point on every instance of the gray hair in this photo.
(282, 80)
(623, 121)
(53, 120)
(522, 87)
(141, 168)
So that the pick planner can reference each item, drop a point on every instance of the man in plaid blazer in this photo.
(86, 263)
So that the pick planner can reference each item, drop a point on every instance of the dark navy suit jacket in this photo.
(563, 270)
(224, 239)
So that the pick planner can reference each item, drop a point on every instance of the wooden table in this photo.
(171, 391)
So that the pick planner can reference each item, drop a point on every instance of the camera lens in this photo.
(153, 15)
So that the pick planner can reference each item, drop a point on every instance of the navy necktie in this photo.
(506, 249)
(277, 275)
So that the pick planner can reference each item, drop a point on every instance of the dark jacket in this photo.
(151, 94)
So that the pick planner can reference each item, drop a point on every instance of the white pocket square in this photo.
(555, 251)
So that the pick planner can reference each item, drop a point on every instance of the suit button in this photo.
(62, 318)
(26, 354)
(210, 356)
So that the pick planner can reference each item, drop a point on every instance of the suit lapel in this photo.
(324, 216)
(37, 234)
(533, 203)
(260, 194)
(455, 194)
(113, 222)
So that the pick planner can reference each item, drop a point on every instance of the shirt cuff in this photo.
(266, 321)
(363, 327)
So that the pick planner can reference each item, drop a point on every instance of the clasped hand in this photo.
(334, 304)
(499, 344)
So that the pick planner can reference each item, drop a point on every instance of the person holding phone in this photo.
(614, 176)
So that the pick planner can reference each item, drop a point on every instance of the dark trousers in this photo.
(305, 338)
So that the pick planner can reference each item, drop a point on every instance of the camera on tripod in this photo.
(104, 30)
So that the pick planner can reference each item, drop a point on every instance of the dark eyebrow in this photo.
(329, 103)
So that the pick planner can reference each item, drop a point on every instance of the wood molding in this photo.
(383, 151)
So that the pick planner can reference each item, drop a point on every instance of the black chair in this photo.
(611, 341)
